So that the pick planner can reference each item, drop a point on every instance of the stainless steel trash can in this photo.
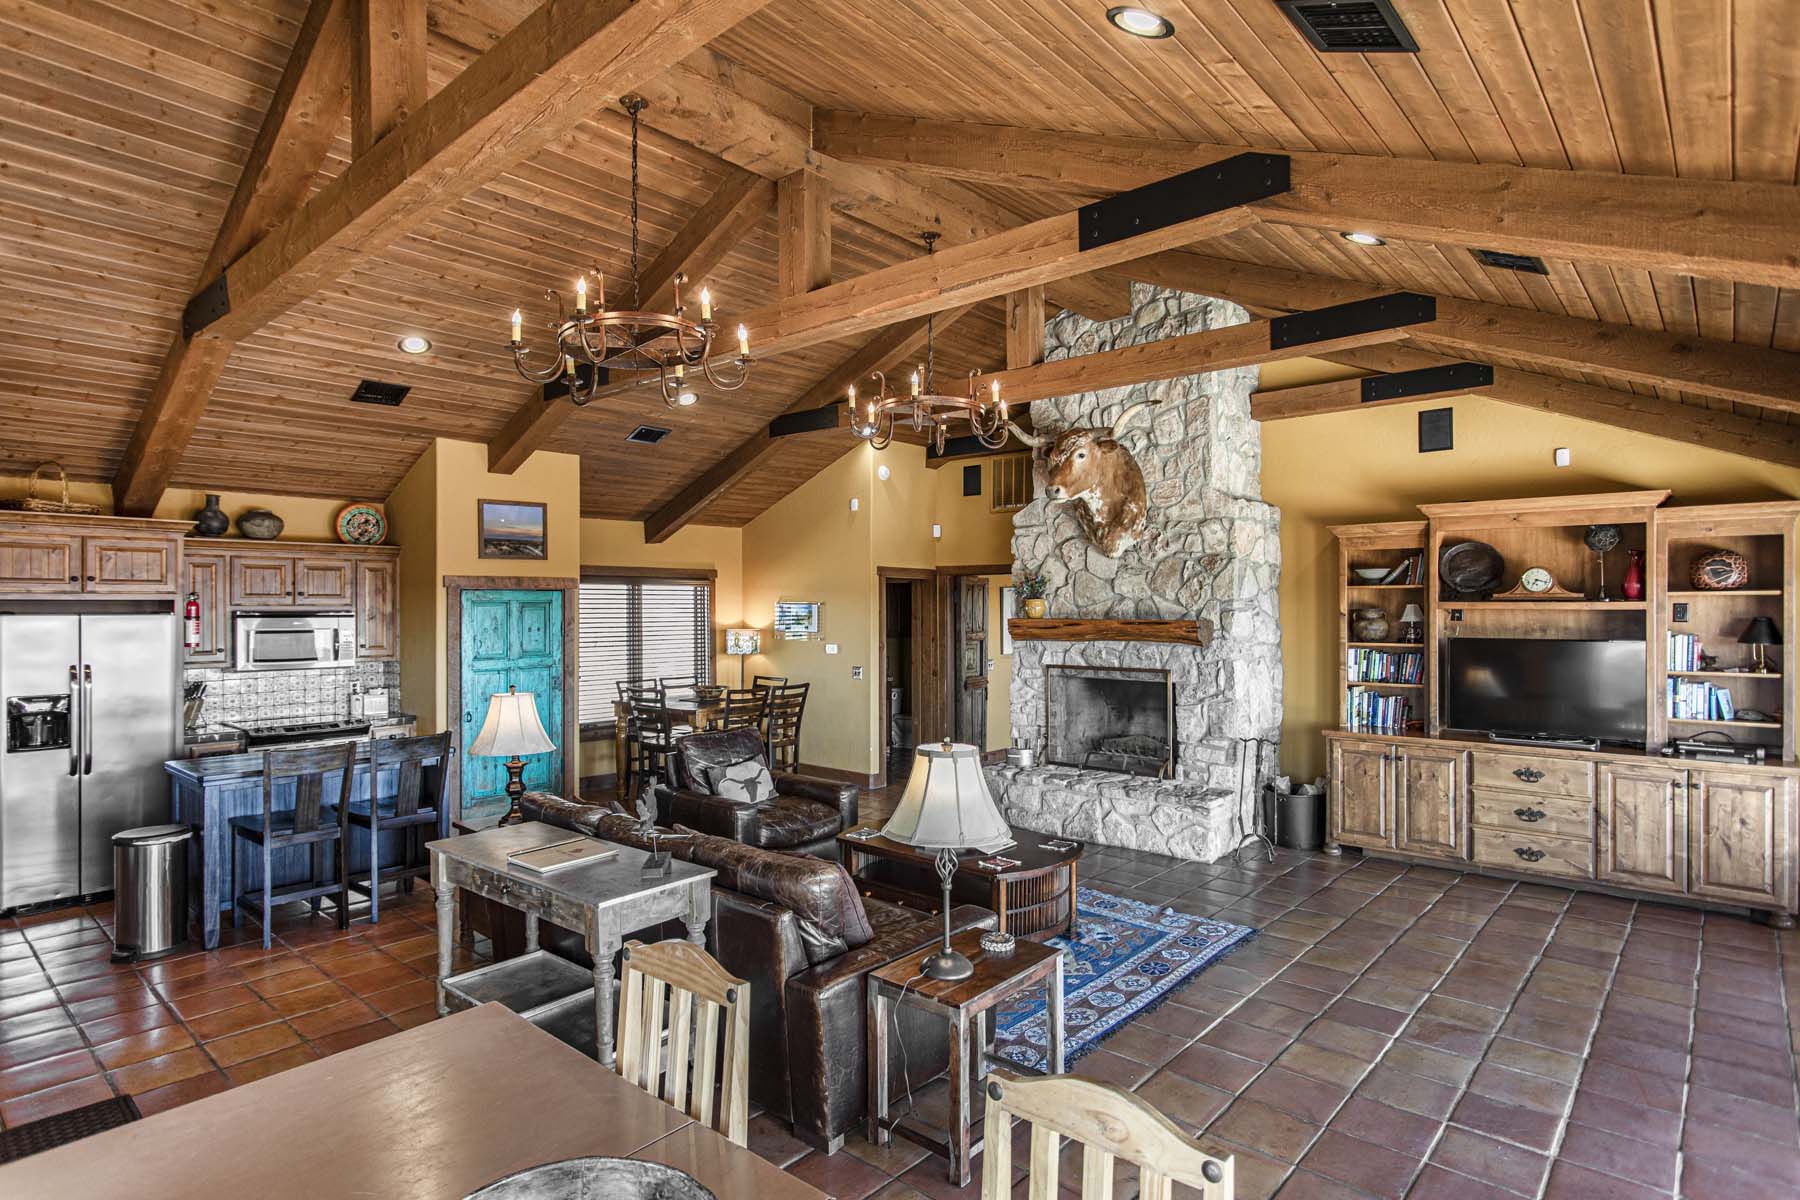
(150, 897)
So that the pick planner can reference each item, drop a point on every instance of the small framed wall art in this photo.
(511, 529)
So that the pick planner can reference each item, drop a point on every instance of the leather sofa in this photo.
(805, 816)
(795, 927)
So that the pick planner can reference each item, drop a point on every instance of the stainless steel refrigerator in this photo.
(92, 709)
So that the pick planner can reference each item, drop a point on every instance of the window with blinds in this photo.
(640, 629)
(1012, 483)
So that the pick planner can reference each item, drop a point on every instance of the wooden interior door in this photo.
(510, 638)
(970, 649)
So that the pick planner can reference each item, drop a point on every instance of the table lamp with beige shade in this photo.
(947, 807)
(512, 728)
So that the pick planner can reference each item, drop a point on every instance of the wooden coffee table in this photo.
(1035, 899)
(961, 1004)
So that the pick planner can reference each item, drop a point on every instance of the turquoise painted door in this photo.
(511, 639)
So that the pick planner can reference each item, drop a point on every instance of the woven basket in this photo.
(31, 503)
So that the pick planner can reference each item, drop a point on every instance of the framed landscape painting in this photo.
(511, 529)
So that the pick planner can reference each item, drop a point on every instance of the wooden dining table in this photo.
(435, 1112)
(683, 708)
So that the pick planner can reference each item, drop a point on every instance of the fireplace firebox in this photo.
(1110, 719)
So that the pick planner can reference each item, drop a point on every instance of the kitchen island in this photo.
(210, 791)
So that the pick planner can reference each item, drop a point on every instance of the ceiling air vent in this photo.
(373, 391)
(647, 435)
(1350, 26)
(1511, 262)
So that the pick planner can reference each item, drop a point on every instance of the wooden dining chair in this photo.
(763, 683)
(311, 825)
(744, 708)
(649, 734)
(418, 803)
(1110, 1123)
(781, 727)
(679, 980)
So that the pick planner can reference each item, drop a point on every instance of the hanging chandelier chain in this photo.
(634, 105)
(930, 238)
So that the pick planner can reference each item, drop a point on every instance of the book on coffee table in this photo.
(554, 857)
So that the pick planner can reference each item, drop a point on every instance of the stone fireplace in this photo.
(1211, 553)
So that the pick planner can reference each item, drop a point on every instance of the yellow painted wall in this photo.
(973, 533)
(412, 525)
(309, 518)
(698, 547)
(1364, 466)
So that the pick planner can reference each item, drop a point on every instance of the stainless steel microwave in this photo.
(267, 641)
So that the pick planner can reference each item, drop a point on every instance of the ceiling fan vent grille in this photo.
(1350, 26)
(647, 435)
(1511, 262)
(373, 391)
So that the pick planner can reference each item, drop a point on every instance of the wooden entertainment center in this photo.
(1704, 830)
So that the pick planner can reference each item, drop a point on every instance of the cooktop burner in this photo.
(277, 732)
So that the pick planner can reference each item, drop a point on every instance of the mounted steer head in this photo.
(1090, 466)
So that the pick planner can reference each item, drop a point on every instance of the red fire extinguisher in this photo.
(190, 621)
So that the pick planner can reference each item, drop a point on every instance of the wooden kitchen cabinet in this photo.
(130, 564)
(1740, 837)
(1362, 808)
(262, 581)
(36, 562)
(65, 554)
(1641, 827)
(204, 576)
(377, 608)
(1428, 802)
(324, 582)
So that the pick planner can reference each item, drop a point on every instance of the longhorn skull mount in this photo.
(1089, 465)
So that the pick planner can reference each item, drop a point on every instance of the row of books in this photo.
(1684, 652)
(1411, 569)
(1369, 709)
(1385, 666)
(1696, 700)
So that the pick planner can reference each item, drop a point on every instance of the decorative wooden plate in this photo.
(361, 525)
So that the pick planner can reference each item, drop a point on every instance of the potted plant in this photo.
(1031, 594)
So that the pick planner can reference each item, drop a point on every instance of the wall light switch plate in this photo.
(855, 504)
(937, 531)
(1680, 613)
(1456, 614)
(831, 647)
(856, 672)
(1563, 457)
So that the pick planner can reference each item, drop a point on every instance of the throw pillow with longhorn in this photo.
(748, 780)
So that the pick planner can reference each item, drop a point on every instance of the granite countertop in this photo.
(221, 768)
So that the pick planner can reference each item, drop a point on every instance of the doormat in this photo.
(1127, 956)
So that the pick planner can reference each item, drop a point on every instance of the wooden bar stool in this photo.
(311, 824)
(417, 803)
(683, 981)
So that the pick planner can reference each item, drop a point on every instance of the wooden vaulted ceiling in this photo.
(128, 124)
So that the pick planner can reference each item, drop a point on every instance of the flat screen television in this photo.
(1558, 688)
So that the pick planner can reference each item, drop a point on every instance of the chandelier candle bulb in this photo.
(518, 326)
(743, 342)
(706, 304)
(915, 383)
(581, 294)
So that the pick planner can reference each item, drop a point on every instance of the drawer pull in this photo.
(1529, 774)
(1529, 853)
(1529, 814)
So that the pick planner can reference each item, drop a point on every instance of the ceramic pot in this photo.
(1720, 571)
(1633, 584)
(261, 524)
(211, 521)
(1036, 607)
(1369, 625)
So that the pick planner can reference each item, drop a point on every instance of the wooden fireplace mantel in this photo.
(1073, 629)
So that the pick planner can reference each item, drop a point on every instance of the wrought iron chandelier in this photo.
(628, 340)
(874, 417)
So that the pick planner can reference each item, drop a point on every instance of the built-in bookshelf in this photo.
(1382, 685)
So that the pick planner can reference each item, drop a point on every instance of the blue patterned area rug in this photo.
(1126, 958)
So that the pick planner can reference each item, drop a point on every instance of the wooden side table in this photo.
(1034, 898)
(965, 1002)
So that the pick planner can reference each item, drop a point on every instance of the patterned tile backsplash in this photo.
(257, 697)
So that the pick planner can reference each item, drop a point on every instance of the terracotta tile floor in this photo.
(1391, 1032)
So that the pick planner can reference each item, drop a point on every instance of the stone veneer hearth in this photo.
(1212, 550)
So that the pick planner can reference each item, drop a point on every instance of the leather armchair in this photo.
(794, 926)
(805, 816)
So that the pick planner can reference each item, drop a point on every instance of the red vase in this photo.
(1633, 586)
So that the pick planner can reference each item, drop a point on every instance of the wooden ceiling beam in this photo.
(1720, 229)
(1756, 375)
(387, 82)
(803, 233)
(884, 352)
(727, 218)
(1310, 335)
(1372, 391)
(297, 130)
(1025, 328)
(1764, 441)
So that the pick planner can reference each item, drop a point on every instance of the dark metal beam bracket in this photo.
(1452, 377)
(1240, 179)
(208, 305)
(1391, 311)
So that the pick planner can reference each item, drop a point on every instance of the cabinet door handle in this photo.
(74, 579)
(1528, 853)
(1529, 814)
(1529, 774)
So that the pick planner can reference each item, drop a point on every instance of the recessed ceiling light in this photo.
(1363, 239)
(686, 399)
(1139, 22)
(414, 343)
